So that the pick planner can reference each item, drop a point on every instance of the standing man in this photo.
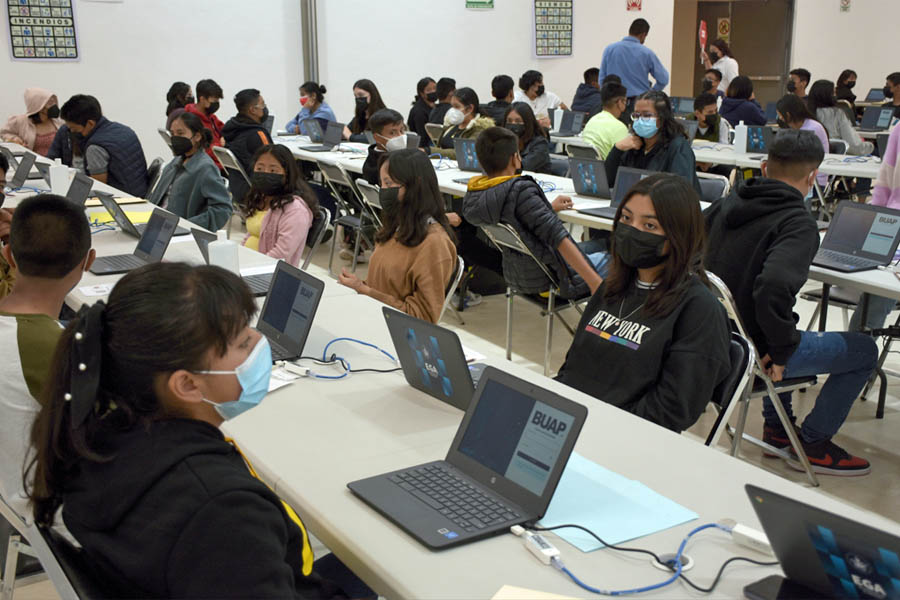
(633, 63)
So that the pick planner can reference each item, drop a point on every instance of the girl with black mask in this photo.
(367, 101)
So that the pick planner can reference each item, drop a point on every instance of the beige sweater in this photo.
(413, 280)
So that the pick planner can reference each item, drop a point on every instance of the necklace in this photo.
(622, 307)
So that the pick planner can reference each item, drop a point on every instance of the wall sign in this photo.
(633, 4)
(723, 28)
(479, 3)
(41, 30)
(845, 5)
(552, 28)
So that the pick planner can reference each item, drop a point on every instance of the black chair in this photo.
(320, 224)
(153, 173)
(733, 390)
(74, 566)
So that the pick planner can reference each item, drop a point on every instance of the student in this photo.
(387, 129)
(762, 239)
(740, 104)
(720, 58)
(209, 96)
(675, 352)
(631, 60)
(793, 113)
(503, 196)
(50, 247)
(312, 101)
(168, 360)
(463, 120)
(414, 254)
(534, 145)
(281, 208)
(191, 185)
(368, 102)
(244, 134)
(710, 128)
(711, 80)
(532, 90)
(178, 96)
(822, 104)
(587, 96)
(109, 152)
(845, 84)
(37, 128)
(799, 79)
(656, 142)
(606, 128)
(892, 92)
(502, 91)
(426, 96)
(446, 87)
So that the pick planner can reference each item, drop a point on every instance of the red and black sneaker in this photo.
(827, 458)
(777, 437)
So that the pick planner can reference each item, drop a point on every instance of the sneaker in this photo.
(777, 437)
(362, 257)
(471, 299)
(346, 253)
(827, 458)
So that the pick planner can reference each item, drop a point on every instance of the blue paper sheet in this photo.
(614, 507)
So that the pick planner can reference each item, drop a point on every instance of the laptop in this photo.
(331, 138)
(258, 284)
(625, 178)
(44, 170)
(876, 118)
(881, 141)
(14, 162)
(571, 123)
(589, 177)
(288, 312)
(861, 237)
(466, 158)
(682, 106)
(432, 358)
(823, 555)
(80, 189)
(691, 126)
(759, 138)
(412, 140)
(23, 169)
(501, 470)
(771, 112)
(875, 95)
(150, 248)
(123, 221)
(269, 123)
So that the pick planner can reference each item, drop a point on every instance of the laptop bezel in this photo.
(458, 144)
(600, 167)
(80, 179)
(333, 134)
(201, 236)
(496, 482)
(828, 242)
(294, 347)
(118, 214)
(170, 223)
(22, 171)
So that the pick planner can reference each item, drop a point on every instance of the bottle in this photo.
(59, 178)
(740, 138)
(224, 253)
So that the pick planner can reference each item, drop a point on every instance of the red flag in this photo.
(703, 34)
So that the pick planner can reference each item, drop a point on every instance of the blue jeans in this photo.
(879, 308)
(848, 359)
(595, 251)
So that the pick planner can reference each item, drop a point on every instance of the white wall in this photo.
(827, 41)
(131, 52)
(396, 42)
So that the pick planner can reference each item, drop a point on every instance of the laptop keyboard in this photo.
(121, 261)
(258, 284)
(845, 259)
(280, 352)
(454, 497)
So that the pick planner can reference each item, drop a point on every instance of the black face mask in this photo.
(389, 198)
(53, 112)
(432, 97)
(516, 128)
(362, 102)
(849, 85)
(265, 114)
(707, 84)
(638, 249)
(212, 108)
(888, 93)
(711, 120)
(791, 86)
(77, 137)
(267, 183)
(714, 56)
(541, 89)
(782, 123)
(181, 145)
(189, 100)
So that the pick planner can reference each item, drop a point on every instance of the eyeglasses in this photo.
(636, 116)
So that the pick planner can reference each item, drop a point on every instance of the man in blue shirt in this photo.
(633, 63)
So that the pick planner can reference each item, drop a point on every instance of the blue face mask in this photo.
(646, 128)
(253, 374)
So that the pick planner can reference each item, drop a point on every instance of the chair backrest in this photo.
(847, 109)
(434, 132)
(230, 162)
(153, 173)
(730, 390)
(582, 152)
(369, 195)
(316, 233)
(453, 284)
(727, 300)
(165, 135)
(336, 177)
(837, 146)
(559, 166)
(713, 187)
(504, 236)
(74, 565)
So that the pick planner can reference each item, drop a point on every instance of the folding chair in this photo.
(434, 131)
(369, 195)
(153, 173)
(508, 240)
(713, 187)
(230, 163)
(165, 135)
(316, 233)
(452, 286)
(733, 390)
(763, 387)
(582, 152)
(354, 218)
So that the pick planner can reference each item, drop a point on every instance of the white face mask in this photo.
(454, 116)
(396, 143)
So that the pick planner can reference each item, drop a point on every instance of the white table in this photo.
(833, 164)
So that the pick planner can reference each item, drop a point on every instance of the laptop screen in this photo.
(589, 177)
(758, 138)
(155, 239)
(118, 215)
(690, 126)
(875, 95)
(572, 121)
(333, 133)
(466, 158)
(203, 239)
(876, 117)
(625, 179)
(861, 229)
(290, 306)
(22, 171)
(771, 112)
(683, 105)
(79, 189)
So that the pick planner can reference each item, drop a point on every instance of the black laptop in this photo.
(625, 178)
(466, 158)
(258, 284)
(330, 139)
(432, 358)
(571, 123)
(759, 138)
(150, 248)
(875, 95)
(771, 112)
(876, 118)
(80, 189)
(861, 237)
(823, 555)
(690, 126)
(124, 221)
(682, 106)
(15, 159)
(589, 177)
(501, 470)
(288, 312)
(23, 169)
(881, 141)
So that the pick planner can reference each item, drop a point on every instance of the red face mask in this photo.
(304, 100)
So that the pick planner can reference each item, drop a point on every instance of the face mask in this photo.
(396, 143)
(267, 183)
(638, 249)
(432, 97)
(361, 102)
(714, 56)
(304, 100)
(707, 84)
(849, 85)
(77, 136)
(389, 198)
(253, 374)
(265, 114)
(646, 128)
(212, 108)
(791, 86)
(455, 116)
(519, 168)
(782, 123)
(541, 89)
(888, 92)
(516, 128)
(53, 112)
(189, 100)
(181, 145)
(711, 121)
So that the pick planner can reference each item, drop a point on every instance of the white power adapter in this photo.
(543, 550)
(751, 538)
(292, 368)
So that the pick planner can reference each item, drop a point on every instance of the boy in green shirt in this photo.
(605, 129)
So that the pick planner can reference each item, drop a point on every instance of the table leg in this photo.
(823, 313)
(864, 307)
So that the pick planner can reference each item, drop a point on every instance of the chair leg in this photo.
(8, 584)
(815, 315)
(792, 435)
(356, 249)
(551, 302)
(509, 318)
(333, 247)
(739, 427)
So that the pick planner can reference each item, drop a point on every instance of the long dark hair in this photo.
(293, 185)
(532, 127)
(669, 128)
(311, 87)
(468, 97)
(160, 318)
(741, 87)
(375, 104)
(844, 76)
(794, 109)
(420, 88)
(193, 122)
(677, 208)
(422, 200)
(723, 47)
(821, 95)
(177, 96)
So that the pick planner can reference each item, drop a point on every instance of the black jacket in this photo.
(675, 157)
(370, 167)
(437, 113)
(762, 240)
(587, 99)
(495, 109)
(243, 137)
(536, 155)
(176, 513)
(521, 203)
(418, 117)
(664, 368)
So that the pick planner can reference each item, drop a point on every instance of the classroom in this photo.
(482, 299)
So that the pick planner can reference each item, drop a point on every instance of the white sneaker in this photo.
(346, 253)
(471, 299)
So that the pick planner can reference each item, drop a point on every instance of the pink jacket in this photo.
(283, 232)
(20, 127)
(887, 186)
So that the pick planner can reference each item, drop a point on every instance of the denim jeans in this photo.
(595, 251)
(848, 359)
(879, 308)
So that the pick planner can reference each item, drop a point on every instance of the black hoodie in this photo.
(762, 239)
(243, 137)
(176, 513)
(587, 99)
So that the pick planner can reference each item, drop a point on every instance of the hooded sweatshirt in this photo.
(471, 131)
(587, 98)
(20, 127)
(243, 137)
(177, 513)
(735, 110)
(762, 240)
